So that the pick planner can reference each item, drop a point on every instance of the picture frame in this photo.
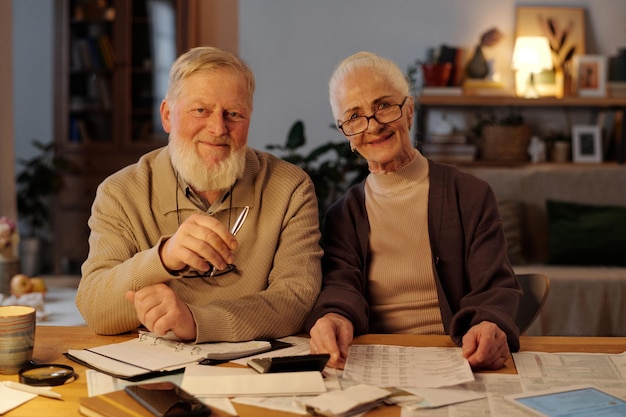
(590, 75)
(565, 29)
(586, 143)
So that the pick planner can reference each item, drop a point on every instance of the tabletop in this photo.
(51, 342)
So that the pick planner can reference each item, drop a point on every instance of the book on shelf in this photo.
(149, 355)
(475, 87)
(442, 91)
(449, 151)
(616, 89)
(454, 137)
(106, 50)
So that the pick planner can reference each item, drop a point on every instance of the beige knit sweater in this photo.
(278, 272)
(403, 295)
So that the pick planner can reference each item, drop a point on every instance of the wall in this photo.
(33, 37)
(294, 45)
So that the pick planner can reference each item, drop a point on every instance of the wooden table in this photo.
(51, 342)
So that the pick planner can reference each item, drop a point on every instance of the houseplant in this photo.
(333, 168)
(504, 139)
(39, 179)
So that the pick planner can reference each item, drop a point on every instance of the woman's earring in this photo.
(352, 147)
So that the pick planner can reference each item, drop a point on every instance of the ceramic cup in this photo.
(17, 337)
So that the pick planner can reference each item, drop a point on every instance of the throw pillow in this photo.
(584, 234)
(511, 212)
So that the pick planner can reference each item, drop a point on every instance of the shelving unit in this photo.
(111, 71)
(617, 104)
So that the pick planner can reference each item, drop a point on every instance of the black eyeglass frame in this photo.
(373, 116)
(213, 272)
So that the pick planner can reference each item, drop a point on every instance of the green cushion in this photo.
(583, 234)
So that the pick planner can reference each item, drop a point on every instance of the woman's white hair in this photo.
(383, 66)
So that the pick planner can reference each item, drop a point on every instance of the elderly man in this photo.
(161, 249)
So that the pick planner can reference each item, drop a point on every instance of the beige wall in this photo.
(7, 163)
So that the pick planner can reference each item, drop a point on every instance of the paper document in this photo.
(356, 399)
(541, 371)
(210, 381)
(10, 398)
(400, 366)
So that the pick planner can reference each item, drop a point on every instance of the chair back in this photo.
(536, 288)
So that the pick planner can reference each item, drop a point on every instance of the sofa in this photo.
(568, 221)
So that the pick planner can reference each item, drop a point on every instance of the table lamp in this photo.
(531, 55)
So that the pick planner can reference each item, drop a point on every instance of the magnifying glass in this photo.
(47, 374)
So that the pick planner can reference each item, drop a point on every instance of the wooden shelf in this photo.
(471, 101)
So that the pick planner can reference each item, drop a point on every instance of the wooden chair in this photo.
(536, 288)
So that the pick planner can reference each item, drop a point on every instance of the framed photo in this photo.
(590, 75)
(586, 143)
(565, 29)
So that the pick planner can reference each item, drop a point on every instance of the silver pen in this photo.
(240, 220)
(234, 230)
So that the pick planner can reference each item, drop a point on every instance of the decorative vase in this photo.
(561, 152)
(477, 67)
(559, 82)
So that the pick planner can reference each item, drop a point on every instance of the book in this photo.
(442, 91)
(148, 355)
(113, 404)
(454, 137)
(449, 152)
(473, 87)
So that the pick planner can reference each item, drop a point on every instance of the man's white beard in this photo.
(199, 174)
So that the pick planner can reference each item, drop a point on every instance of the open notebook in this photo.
(148, 355)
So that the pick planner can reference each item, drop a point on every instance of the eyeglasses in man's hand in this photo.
(213, 271)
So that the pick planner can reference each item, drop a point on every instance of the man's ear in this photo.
(165, 116)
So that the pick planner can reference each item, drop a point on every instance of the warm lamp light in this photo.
(531, 55)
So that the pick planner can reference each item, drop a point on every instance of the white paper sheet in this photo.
(400, 366)
(210, 381)
(540, 370)
(11, 398)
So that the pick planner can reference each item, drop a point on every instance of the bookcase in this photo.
(112, 60)
(425, 103)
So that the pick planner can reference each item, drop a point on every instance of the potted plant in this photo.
(39, 179)
(333, 168)
(504, 139)
(559, 146)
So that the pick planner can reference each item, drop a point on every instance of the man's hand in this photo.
(332, 334)
(161, 310)
(200, 241)
(485, 346)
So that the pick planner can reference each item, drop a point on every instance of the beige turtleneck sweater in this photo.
(401, 282)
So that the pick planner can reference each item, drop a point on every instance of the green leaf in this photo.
(296, 137)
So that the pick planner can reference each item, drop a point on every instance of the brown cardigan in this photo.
(475, 281)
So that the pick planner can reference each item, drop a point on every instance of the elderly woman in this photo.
(418, 246)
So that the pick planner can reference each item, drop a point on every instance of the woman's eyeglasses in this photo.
(213, 271)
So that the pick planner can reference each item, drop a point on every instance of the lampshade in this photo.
(532, 54)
